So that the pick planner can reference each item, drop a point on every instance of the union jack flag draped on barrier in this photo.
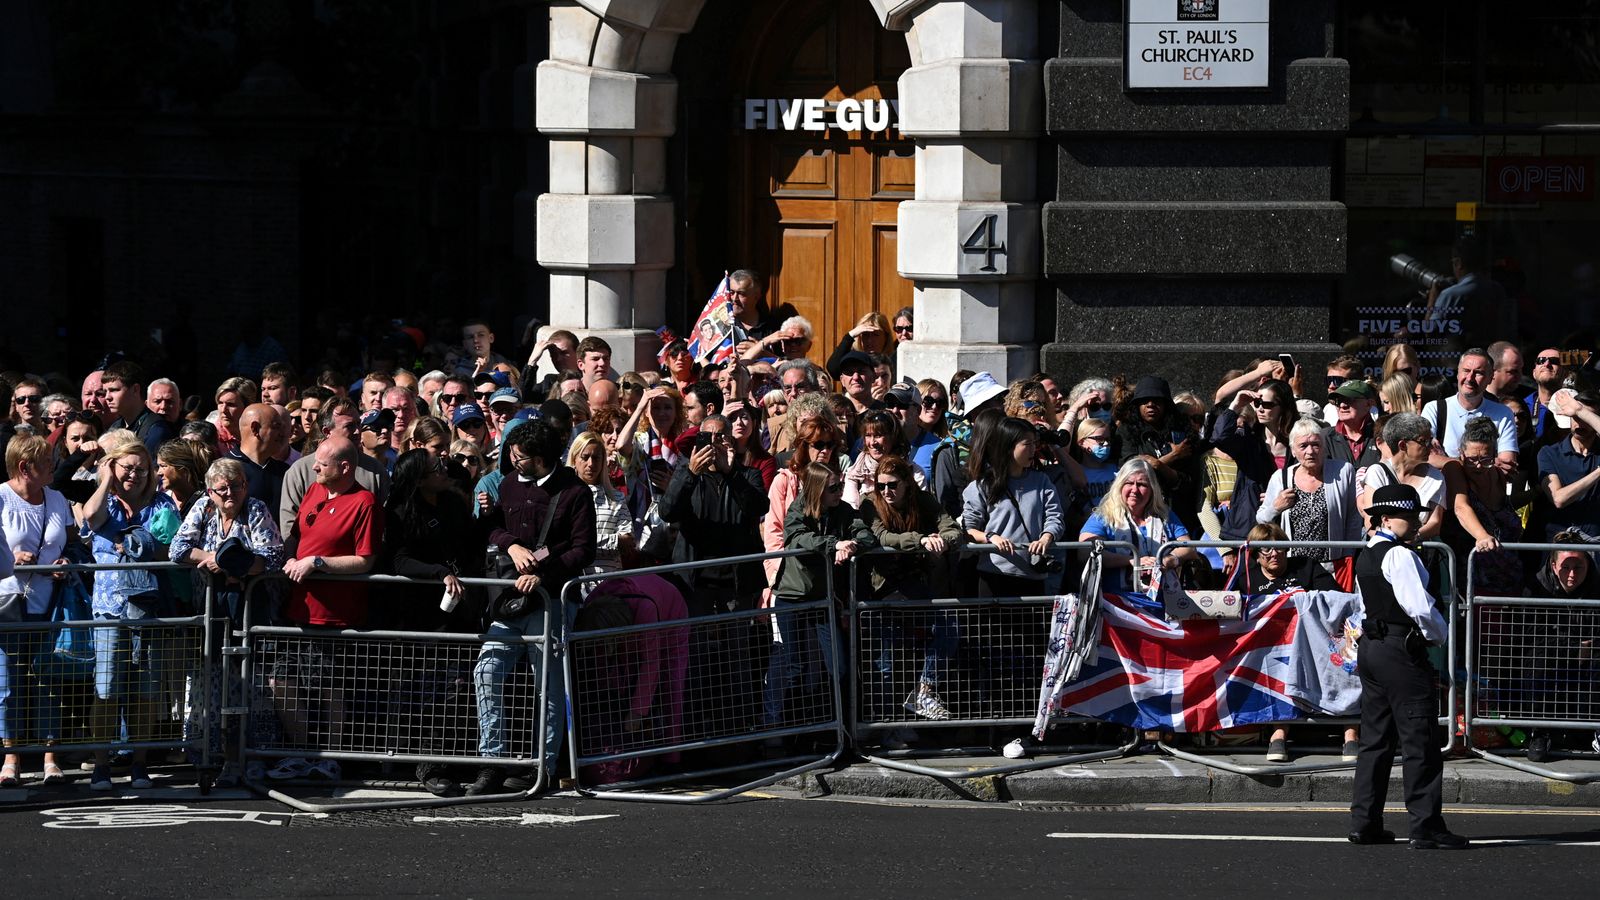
(716, 332)
(1190, 676)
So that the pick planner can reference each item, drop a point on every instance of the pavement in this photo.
(1153, 777)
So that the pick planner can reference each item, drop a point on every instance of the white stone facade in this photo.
(969, 241)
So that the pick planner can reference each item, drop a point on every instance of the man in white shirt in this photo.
(1473, 371)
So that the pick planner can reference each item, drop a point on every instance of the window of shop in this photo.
(1472, 118)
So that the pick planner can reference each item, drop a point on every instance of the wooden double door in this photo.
(821, 207)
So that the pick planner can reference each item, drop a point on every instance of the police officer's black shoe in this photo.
(1372, 836)
(1440, 840)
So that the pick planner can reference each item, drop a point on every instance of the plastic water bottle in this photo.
(1516, 736)
(448, 601)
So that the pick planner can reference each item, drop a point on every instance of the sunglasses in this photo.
(1547, 361)
(484, 395)
(467, 459)
(821, 445)
(453, 399)
(1336, 380)
(889, 485)
(934, 403)
(1478, 462)
(902, 329)
(26, 399)
(1264, 404)
(834, 487)
(228, 490)
(1095, 406)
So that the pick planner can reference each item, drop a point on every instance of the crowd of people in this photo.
(443, 462)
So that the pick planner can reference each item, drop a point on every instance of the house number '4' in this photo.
(982, 242)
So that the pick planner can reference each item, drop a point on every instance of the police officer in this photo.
(1399, 693)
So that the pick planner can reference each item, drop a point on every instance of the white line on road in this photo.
(524, 819)
(1297, 839)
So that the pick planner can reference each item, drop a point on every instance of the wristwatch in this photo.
(318, 562)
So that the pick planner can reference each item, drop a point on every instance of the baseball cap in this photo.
(466, 412)
(1355, 389)
(495, 377)
(378, 420)
(505, 395)
(904, 395)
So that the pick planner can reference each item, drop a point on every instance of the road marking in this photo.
(1328, 808)
(164, 816)
(523, 819)
(1299, 839)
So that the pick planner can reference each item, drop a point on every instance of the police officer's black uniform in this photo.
(1399, 690)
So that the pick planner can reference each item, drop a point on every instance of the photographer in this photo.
(1477, 300)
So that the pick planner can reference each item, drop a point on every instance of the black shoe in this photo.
(490, 781)
(1539, 746)
(1440, 840)
(522, 781)
(436, 779)
(1372, 836)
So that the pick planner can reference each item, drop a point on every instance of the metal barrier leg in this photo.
(1032, 765)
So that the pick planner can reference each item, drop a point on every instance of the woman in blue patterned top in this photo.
(130, 522)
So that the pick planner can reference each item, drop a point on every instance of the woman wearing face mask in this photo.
(1094, 449)
(1088, 399)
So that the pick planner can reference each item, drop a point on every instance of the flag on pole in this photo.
(716, 332)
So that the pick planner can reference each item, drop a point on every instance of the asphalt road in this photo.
(161, 846)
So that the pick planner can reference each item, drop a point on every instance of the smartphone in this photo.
(1288, 365)
(703, 440)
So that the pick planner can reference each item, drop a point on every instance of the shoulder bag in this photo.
(14, 603)
(513, 604)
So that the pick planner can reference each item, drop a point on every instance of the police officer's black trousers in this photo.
(1399, 704)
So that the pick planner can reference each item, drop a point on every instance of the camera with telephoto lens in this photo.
(1052, 437)
(1044, 562)
(1411, 269)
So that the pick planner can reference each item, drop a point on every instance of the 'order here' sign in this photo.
(1187, 44)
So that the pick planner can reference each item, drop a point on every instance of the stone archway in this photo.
(969, 241)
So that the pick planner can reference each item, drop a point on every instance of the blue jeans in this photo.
(17, 649)
(939, 634)
(497, 660)
(802, 638)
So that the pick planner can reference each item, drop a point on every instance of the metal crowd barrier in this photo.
(1532, 662)
(109, 684)
(981, 656)
(1447, 718)
(648, 694)
(390, 696)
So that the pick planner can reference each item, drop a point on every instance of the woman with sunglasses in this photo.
(131, 521)
(818, 520)
(906, 518)
(678, 364)
(1401, 358)
(1405, 445)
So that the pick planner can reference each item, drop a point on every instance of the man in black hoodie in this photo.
(1561, 642)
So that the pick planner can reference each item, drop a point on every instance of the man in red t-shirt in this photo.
(337, 532)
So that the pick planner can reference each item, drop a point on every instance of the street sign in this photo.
(1196, 44)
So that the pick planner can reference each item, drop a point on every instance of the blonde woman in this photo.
(870, 335)
(131, 521)
(232, 397)
(1398, 394)
(1135, 511)
(1402, 358)
(613, 524)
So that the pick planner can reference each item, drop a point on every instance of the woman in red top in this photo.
(744, 427)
